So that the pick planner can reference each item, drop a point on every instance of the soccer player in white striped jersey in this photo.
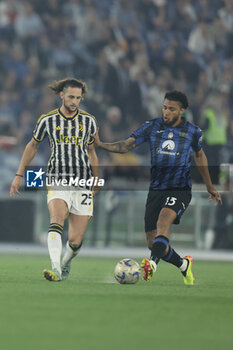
(69, 130)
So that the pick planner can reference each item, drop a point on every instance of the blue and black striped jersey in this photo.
(171, 152)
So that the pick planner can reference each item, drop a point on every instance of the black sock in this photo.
(173, 258)
(158, 248)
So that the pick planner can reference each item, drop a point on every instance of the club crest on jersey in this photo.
(74, 140)
(170, 135)
(81, 126)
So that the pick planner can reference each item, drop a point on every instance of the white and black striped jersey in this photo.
(68, 138)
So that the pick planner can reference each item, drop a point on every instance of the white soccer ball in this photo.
(127, 271)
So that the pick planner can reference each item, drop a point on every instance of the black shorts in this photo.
(177, 200)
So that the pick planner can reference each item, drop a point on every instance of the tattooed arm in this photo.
(116, 147)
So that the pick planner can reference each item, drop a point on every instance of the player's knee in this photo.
(160, 246)
(166, 218)
(75, 245)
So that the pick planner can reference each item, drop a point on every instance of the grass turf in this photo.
(92, 311)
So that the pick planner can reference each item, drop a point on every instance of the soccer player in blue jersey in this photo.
(172, 141)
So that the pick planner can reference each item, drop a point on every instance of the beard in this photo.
(172, 122)
(69, 109)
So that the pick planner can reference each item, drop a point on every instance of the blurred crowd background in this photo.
(130, 52)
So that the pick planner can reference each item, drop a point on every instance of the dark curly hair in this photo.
(177, 96)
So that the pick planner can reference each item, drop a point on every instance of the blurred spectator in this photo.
(29, 95)
(220, 38)
(155, 95)
(7, 115)
(28, 26)
(213, 73)
(170, 60)
(207, 8)
(16, 62)
(112, 128)
(189, 67)
(201, 39)
(123, 14)
(62, 57)
(184, 17)
(28, 23)
(24, 131)
(214, 122)
(226, 15)
(226, 76)
(7, 17)
(49, 10)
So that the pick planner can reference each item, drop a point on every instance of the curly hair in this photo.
(177, 96)
(60, 85)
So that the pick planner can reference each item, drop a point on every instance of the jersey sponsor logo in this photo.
(66, 140)
(160, 131)
(168, 145)
(58, 128)
(35, 178)
(183, 134)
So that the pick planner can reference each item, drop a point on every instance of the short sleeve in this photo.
(39, 132)
(141, 134)
(197, 140)
(93, 130)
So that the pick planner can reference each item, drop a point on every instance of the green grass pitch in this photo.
(92, 311)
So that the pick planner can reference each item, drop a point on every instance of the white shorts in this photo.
(78, 202)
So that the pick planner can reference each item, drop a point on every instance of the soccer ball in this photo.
(127, 271)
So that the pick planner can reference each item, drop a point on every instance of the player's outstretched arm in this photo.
(116, 147)
(28, 154)
(202, 165)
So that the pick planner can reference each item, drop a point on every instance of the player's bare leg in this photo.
(77, 228)
(58, 212)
